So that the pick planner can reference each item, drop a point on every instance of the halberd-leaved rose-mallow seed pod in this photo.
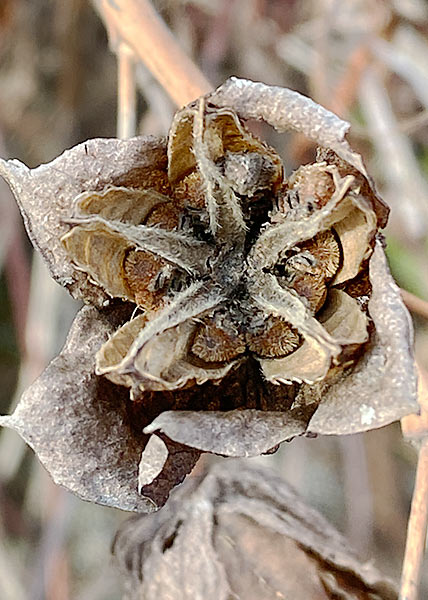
(229, 308)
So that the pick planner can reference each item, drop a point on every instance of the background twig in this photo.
(126, 92)
(416, 427)
(137, 23)
(415, 304)
(416, 531)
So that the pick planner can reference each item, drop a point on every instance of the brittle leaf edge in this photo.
(46, 193)
(83, 430)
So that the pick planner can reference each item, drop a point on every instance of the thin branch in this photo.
(126, 92)
(414, 123)
(416, 531)
(345, 93)
(415, 304)
(416, 427)
(136, 23)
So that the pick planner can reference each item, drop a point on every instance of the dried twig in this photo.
(416, 427)
(345, 93)
(137, 23)
(416, 531)
(126, 92)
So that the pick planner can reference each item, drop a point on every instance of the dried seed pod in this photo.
(344, 320)
(193, 231)
(162, 364)
(98, 249)
(238, 531)
(101, 254)
(226, 140)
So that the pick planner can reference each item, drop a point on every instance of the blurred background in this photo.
(364, 59)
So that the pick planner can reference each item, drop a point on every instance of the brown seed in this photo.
(141, 269)
(164, 215)
(325, 248)
(213, 343)
(189, 192)
(277, 339)
(312, 287)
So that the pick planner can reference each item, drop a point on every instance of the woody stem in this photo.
(136, 23)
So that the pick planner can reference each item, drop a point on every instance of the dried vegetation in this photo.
(363, 60)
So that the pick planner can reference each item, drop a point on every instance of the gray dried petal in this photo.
(286, 109)
(241, 532)
(164, 464)
(382, 387)
(231, 433)
(46, 194)
(79, 424)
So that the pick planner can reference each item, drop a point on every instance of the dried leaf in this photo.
(231, 433)
(286, 109)
(241, 532)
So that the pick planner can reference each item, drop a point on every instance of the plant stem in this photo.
(416, 531)
(136, 23)
(126, 92)
(415, 304)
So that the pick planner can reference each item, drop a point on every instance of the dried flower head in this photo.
(235, 307)
(241, 532)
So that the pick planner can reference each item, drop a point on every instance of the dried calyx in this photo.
(236, 307)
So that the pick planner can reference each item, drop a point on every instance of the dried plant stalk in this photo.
(126, 92)
(415, 304)
(415, 427)
(137, 24)
(416, 532)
